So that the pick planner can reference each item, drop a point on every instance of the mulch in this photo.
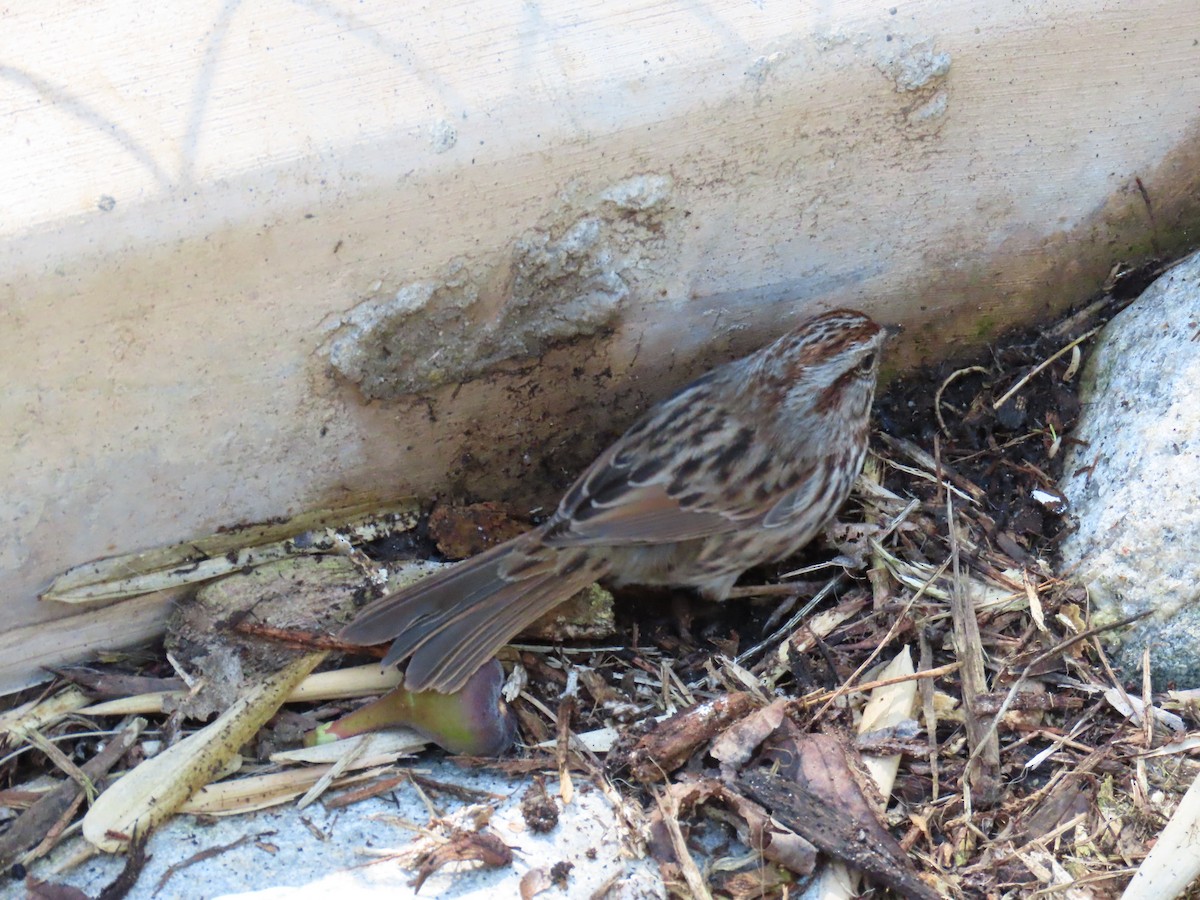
(740, 741)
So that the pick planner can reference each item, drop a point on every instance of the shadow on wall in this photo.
(516, 362)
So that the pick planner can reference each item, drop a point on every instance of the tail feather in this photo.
(451, 623)
(428, 602)
(446, 658)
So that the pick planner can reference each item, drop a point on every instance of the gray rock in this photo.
(1135, 485)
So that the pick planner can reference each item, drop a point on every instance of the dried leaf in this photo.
(38, 715)
(888, 707)
(534, 882)
(154, 790)
(480, 846)
(230, 551)
(736, 744)
(1135, 707)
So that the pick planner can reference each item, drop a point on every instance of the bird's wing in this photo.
(652, 486)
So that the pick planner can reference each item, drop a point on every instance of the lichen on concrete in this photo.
(566, 279)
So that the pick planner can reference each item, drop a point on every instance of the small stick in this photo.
(790, 625)
(981, 778)
(1056, 649)
(1023, 381)
(922, 675)
(930, 711)
(937, 397)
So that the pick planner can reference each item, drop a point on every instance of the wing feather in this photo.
(646, 489)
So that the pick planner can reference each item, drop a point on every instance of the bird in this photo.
(741, 467)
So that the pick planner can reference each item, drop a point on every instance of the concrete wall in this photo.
(261, 258)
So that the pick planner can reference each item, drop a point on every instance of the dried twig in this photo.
(32, 826)
(981, 783)
(937, 397)
(1042, 365)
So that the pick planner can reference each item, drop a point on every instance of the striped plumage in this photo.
(741, 467)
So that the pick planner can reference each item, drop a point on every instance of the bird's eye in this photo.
(866, 364)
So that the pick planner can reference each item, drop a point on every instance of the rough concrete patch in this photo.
(442, 136)
(829, 38)
(913, 65)
(759, 70)
(918, 73)
(933, 108)
(364, 850)
(566, 279)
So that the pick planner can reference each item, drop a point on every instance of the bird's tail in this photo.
(450, 623)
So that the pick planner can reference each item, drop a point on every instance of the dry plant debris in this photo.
(756, 745)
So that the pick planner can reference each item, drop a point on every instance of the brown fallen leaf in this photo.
(829, 768)
(1073, 795)
(49, 890)
(464, 846)
(102, 685)
(863, 845)
(818, 788)
(462, 531)
(737, 743)
(534, 882)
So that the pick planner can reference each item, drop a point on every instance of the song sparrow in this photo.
(741, 467)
